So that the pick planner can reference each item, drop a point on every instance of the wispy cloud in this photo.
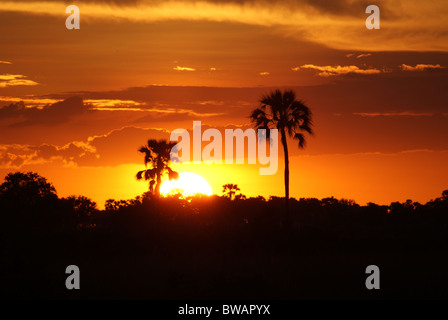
(92, 104)
(178, 111)
(114, 105)
(179, 68)
(5, 62)
(30, 101)
(394, 114)
(328, 71)
(98, 150)
(50, 114)
(359, 56)
(374, 153)
(420, 67)
(10, 80)
(265, 73)
(16, 155)
(363, 55)
(337, 24)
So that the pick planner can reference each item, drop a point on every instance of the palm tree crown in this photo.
(282, 111)
(157, 158)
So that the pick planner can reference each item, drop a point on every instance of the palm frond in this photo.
(306, 128)
(301, 138)
(139, 175)
(150, 174)
(260, 119)
(288, 98)
(172, 175)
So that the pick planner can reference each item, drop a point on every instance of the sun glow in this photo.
(188, 184)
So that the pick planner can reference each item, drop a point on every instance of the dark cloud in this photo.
(170, 103)
(111, 149)
(50, 115)
(15, 156)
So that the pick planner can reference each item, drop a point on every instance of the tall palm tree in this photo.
(282, 111)
(157, 160)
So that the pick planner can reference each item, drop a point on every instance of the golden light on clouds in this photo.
(328, 71)
(10, 80)
(394, 114)
(179, 68)
(30, 101)
(410, 25)
(420, 67)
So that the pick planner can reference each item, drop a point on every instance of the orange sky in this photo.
(139, 69)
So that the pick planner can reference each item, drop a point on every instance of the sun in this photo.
(188, 184)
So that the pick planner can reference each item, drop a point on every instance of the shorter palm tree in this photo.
(230, 190)
(157, 160)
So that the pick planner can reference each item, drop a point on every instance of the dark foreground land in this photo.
(217, 248)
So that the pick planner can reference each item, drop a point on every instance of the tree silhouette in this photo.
(445, 195)
(282, 111)
(27, 188)
(230, 190)
(27, 201)
(157, 157)
(80, 209)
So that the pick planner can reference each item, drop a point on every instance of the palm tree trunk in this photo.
(158, 184)
(286, 154)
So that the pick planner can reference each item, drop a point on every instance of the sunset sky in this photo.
(75, 105)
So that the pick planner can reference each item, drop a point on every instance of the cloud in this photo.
(5, 62)
(173, 114)
(114, 105)
(52, 111)
(92, 104)
(16, 155)
(52, 114)
(166, 103)
(178, 68)
(10, 80)
(363, 55)
(359, 56)
(100, 150)
(116, 147)
(375, 153)
(420, 67)
(336, 24)
(394, 114)
(30, 101)
(264, 73)
(328, 71)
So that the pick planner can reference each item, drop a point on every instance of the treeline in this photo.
(29, 201)
(225, 246)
